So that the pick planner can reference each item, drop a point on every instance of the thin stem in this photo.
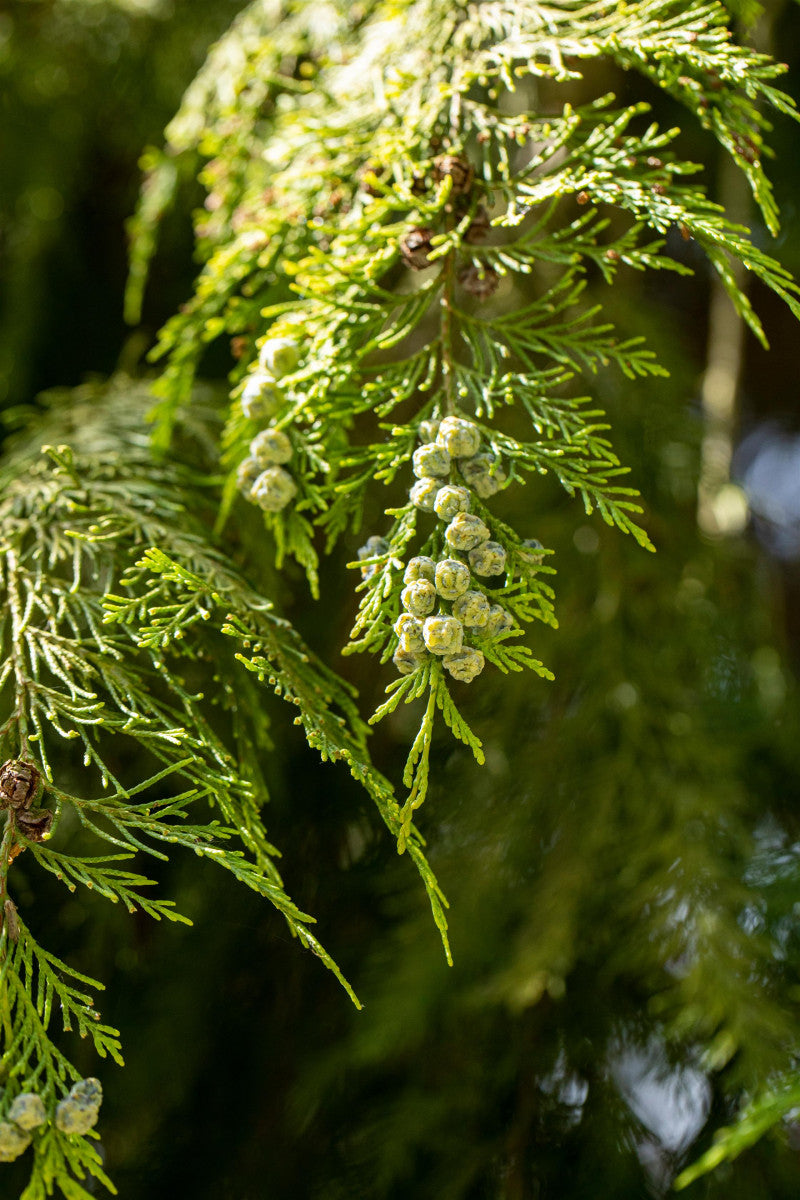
(446, 334)
(5, 857)
(5, 854)
(19, 717)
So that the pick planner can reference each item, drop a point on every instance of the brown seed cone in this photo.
(480, 281)
(378, 172)
(35, 823)
(415, 246)
(460, 171)
(479, 228)
(19, 783)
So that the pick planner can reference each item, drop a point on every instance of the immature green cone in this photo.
(461, 438)
(430, 459)
(88, 1091)
(452, 578)
(488, 559)
(472, 609)
(28, 1111)
(443, 635)
(260, 397)
(423, 493)
(273, 489)
(80, 1110)
(406, 661)
(13, 1141)
(466, 531)
(532, 551)
(498, 621)
(409, 632)
(271, 448)
(450, 501)
(371, 549)
(419, 598)
(279, 356)
(465, 664)
(247, 473)
(484, 474)
(427, 430)
(420, 568)
(73, 1117)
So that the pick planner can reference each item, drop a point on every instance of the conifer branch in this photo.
(421, 197)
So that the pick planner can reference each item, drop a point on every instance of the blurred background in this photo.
(624, 874)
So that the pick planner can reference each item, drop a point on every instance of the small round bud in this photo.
(427, 430)
(459, 170)
(484, 474)
(406, 661)
(415, 246)
(465, 664)
(260, 397)
(430, 459)
(480, 281)
(409, 632)
(28, 1111)
(488, 485)
(88, 1092)
(472, 609)
(371, 549)
(419, 598)
(532, 545)
(452, 578)
(443, 635)
(247, 473)
(460, 437)
(499, 621)
(488, 559)
(465, 531)
(73, 1117)
(423, 493)
(420, 568)
(273, 489)
(372, 546)
(13, 1141)
(279, 356)
(271, 448)
(449, 501)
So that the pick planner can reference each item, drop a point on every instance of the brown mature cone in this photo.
(378, 172)
(35, 824)
(19, 783)
(415, 246)
(460, 171)
(479, 228)
(481, 282)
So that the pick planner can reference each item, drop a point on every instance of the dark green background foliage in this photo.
(624, 872)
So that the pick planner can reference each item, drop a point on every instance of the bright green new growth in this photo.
(423, 242)
(393, 187)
